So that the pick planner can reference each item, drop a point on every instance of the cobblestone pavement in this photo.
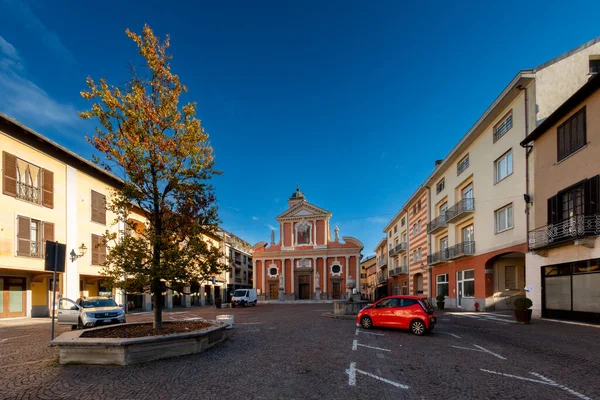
(293, 352)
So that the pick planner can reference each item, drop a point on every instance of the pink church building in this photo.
(306, 263)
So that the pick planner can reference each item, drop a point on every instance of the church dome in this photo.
(297, 195)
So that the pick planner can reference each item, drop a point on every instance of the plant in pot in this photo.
(440, 301)
(522, 309)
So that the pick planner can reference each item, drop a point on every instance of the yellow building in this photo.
(48, 193)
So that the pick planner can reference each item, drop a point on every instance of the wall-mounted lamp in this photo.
(527, 198)
(82, 250)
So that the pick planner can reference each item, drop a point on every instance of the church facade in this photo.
(306, 263)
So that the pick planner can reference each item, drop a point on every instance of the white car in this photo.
(87, 312)
(244, 297)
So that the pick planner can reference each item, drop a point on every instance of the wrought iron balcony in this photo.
(382, 262)
(439, 257)
(382, 278)
(461, 209)
(400, 248)
(399, 270)
(577, 227)
(28, 193)
(461, 250)
(438, 223)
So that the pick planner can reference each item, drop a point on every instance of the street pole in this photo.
(54, 287)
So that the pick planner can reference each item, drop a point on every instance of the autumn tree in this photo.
(161, 152)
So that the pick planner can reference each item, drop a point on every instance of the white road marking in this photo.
(481, 349)
(356, 332)
(352, 374)
(354, 344)
(489, 352)
(544, 381)
(447, 333)
(372, 333)
(484, 318)
(571, 323)
(371, 347)
(563, 387)
(352, 377)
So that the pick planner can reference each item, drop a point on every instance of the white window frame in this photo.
(467, 280)
(503, 126)
(440, 186)
(509, 223)
(444, 282)
(269, 267)
(419, 226)
(508, 166)
(463, 162)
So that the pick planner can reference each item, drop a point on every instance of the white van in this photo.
(244, 297)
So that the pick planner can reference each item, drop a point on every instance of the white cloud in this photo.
(255, 218)
(273, 228)
(37, 30)
(23, 100)
(383, 155)
(8, 49)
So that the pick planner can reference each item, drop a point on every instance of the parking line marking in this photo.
(544, 381)
(356, 332)
(352, 374)
(482, 350)
(372, 333)
(352, 377)
(447, 333)
(371, 347)
(489, 352)
(354, 344)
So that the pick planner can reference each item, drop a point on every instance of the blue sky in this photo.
(333, 95)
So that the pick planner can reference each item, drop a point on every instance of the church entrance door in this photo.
(337, 290)
(273, 294)
(304, 287)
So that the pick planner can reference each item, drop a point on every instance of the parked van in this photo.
(244, 297)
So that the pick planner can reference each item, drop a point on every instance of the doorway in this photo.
(273, 291)
(304, 287)
(418, 284)
(337, 290)
(13, 298)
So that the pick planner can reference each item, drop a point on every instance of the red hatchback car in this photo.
(405, 312)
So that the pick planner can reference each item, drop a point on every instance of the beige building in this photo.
(382, 270)
(48, 193)
(563, 264)
(236, 254)
(368, 276)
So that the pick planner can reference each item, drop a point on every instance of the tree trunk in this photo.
(158, 300)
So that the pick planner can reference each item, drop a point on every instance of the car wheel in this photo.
(366, 322)
(417, 327)
(232, 305)
(79, 324)
(255, 303)
(73, 327)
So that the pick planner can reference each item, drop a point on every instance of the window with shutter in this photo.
(9, 174)
(98, 250)
(571, 135)
(47, 188)
(24, 236)
(98, 207)
(48, 235)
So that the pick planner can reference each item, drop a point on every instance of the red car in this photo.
(405, 312)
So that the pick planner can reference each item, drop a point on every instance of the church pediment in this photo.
(303, 210)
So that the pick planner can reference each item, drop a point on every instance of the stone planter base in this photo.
(523, 316)
(342, 307)
(74, 349)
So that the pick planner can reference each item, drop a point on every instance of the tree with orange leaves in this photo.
(162, 154)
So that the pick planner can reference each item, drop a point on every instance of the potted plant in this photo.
(440, 301)
(522, 309)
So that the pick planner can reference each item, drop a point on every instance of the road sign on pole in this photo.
(55, 262)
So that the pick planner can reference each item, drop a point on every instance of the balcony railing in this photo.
(37, 250)
(382, 278)
(439, 257)
(576, 227)
(462, 208)
(399, 270)
(400, 248)
(382, 262)
(438, 223)
(461, 250)
(28, 193)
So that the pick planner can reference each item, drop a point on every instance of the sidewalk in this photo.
(24, 321)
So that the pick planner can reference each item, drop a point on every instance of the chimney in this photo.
(437, 163)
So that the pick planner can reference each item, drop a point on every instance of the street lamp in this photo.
(82, 250)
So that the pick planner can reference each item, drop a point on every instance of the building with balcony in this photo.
(306, 262)
(382, 257)
(563, 262)
(477, 244)
(237, 255)
(368, 271)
